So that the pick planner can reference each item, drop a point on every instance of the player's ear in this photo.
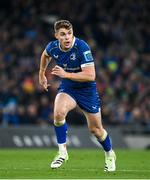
(56, 35)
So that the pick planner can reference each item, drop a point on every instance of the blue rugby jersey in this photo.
(79, 55)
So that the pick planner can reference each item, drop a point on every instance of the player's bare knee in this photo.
(93, 130)
(59, 115)
(96, 131)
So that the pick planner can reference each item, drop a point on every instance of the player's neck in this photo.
(65, 50)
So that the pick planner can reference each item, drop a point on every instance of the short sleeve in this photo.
(48, 49)
(85, 54)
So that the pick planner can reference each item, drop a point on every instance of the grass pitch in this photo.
(82, 164)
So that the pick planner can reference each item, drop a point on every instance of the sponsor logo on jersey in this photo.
(55, 56)
(94, 107)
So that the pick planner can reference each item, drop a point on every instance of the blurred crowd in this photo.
(118, 33)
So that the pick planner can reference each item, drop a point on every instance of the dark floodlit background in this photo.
(118, 33)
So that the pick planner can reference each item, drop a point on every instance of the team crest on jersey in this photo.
(73, 56)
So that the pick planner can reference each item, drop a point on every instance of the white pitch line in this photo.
(76, 169)
(133, 170)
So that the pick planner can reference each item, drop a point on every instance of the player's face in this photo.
(65, 37)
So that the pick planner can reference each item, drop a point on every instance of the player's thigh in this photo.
(64, 102)
(94, 120)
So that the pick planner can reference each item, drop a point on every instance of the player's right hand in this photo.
(43, 81)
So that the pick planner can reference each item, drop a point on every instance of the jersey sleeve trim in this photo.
(87, 64)
(45, 52)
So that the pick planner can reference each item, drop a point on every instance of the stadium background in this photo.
(118, 33)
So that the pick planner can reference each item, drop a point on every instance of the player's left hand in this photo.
(58, 71)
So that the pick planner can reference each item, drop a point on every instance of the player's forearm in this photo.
(81, 76)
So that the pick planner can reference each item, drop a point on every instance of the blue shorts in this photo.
(86, 98)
